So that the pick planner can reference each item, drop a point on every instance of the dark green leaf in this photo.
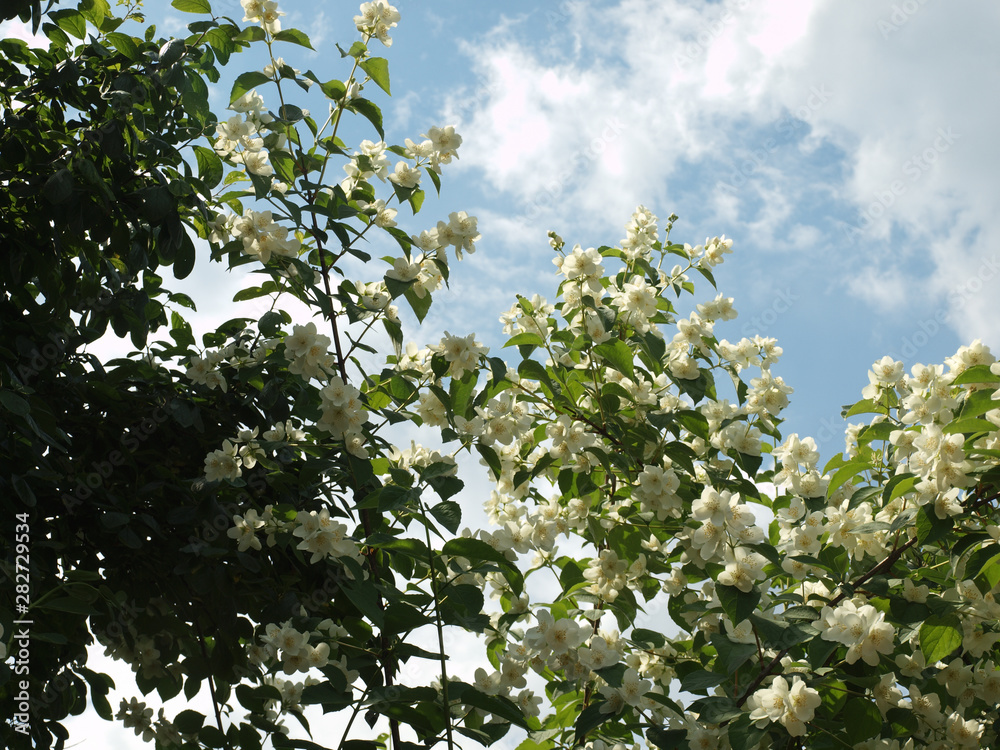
(930, 528)
(738, 605)
(246, 82)
(448, 513)
(295, 37)
(378, 69)
(14, 403)
(862, 719)
(185, 257)
(372, 113)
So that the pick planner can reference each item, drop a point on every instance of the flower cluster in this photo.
(376, 19)
(308, 354)
(344, 413)
(227, 463)
(791, 705)
(264, 12)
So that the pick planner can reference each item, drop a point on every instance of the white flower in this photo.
(376, 18)
(222, 464)
(792, 707)
(405, 176)
(257, 163)
(245, 530)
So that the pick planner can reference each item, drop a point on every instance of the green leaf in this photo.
(371, 112)
(184, 259)
(192, 6)
(977, 403)
(846, 472)
(378, 69)
(525, 339)
(124, 44)
(95, 11)
(270, 323)
(363, 596)
(716, 709)
(295, 37)
(731, 655)
(478, 550)
(358, 50)
(701, 680)
(862, 719)
(667, 739)
(497, 705)
(449, 514)
(246, 82)
(491, 458)
(589, 719)
(939, 636)
(14, 403)
(59, 187)
(930, 528)
(209, 166)
(189, 721)
(744, 734)
(72, 22)
(968, 426)
(618, 355)
(284, 165)
(981, 559)
(419, 305)
(738, 605)
(865, 406)
(975, 374)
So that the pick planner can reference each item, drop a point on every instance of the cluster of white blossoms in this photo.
(790, 705)
(372, 160)
(227, 462)
(859, 627)
(711, 253)
(719, 527)
(261, 235)
(462, 353)
(135, 715)
(308, 353)
(240, 138)
(300, 651)
(320, 535)
(344, 413)
(419, 269)
(264, 12)
(440, 146)
(376, 19)
(374, 300)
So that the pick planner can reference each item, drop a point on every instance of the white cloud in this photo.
(15, 29)
(894, 102)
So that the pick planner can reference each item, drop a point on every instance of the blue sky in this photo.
(846, 148)
(849, 149)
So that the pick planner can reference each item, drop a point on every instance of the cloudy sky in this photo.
(848, 148)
